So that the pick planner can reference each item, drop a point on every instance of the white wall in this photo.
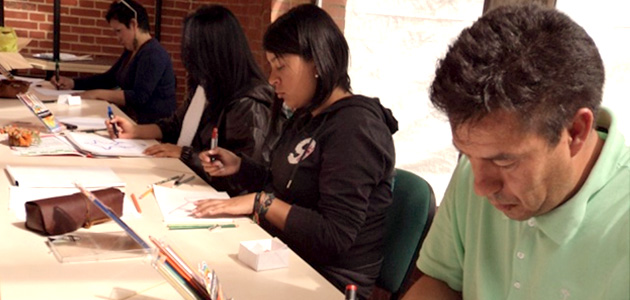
(395, 45)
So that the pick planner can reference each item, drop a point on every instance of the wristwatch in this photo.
(187, 153)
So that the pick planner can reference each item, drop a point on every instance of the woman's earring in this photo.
(316, 75)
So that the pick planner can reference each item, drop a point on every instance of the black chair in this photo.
(408, 220)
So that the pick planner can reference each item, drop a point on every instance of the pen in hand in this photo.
(110, 114)
(214, 141)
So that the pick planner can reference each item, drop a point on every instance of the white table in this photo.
(28, 270)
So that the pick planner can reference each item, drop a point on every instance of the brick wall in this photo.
(85, 31)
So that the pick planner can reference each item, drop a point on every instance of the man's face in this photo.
(519, 172)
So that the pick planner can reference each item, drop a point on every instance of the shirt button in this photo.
(517, 285)
(531, 222)
(520, 255)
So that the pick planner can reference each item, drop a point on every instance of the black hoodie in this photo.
(339, 190)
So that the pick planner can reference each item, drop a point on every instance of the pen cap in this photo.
(351, 292)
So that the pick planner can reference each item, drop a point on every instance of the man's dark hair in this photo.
(530, 60)
(216, 55)
(122, 13)
(308, 31)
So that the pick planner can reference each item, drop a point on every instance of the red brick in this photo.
(86, 12)
(68, 2)
(86, 39)
(36, 35)
(87, 30)
(37, 17)
(21, 24)
(87, 22)
(20, 6)
(84, 48)
(87, 3)
(20, 15)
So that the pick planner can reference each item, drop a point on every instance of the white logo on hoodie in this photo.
(300, 152)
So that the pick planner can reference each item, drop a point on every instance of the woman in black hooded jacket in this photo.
(329, 183)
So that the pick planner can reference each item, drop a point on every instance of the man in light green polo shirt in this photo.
(539, 204)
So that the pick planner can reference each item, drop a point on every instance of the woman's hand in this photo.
(164, 150)
(126, 129)
(220, 162)
(240, 205)
(94, 95)
(64, 83)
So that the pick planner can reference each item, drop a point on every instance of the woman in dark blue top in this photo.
(143, 73)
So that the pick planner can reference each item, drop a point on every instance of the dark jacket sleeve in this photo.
(357, 157)
(242, 128)
(245, 126)
(105, 80)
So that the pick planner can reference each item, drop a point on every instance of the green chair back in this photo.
(408, 220)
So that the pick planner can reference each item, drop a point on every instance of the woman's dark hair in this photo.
(308, 31)
(122, 13)
(530, 60)
(216, 55)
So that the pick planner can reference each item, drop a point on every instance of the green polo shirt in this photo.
(580, 250)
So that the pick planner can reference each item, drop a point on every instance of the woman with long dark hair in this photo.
(330, 179)
(230, 94)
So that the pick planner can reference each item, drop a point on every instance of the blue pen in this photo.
(110, 114)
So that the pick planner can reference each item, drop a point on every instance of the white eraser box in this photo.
(264, 254)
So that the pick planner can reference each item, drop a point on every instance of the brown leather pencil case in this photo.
(59, 215)
(10, 88)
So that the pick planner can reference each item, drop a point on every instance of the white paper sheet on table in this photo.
(177, 204)
(49, 90)
(85, 123)
(63, 177)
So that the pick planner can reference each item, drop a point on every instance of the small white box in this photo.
(69, 99)
(264, 254)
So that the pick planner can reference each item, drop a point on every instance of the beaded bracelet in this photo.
(262, 210)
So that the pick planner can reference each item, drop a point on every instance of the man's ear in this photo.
(133, 24)
(579, 129)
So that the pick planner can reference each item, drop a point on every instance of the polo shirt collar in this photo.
(562, 223)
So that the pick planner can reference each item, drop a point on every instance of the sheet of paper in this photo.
(84, 123)
(46, 89)
(104, 146)
(49, 144)
(20, 195)
(29, 79)
(63, 56)
(63, 177)
(177, 204)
